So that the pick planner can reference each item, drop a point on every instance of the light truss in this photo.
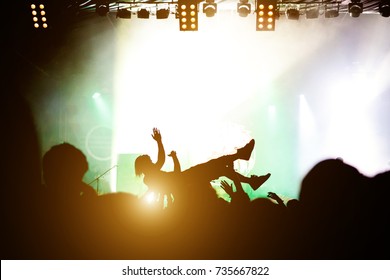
(311, 9)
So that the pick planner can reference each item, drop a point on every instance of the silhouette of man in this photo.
(176, 181)
(64, 167)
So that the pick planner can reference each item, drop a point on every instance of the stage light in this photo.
(384, 8)
(188, 15)
(355, 8)
(150, 198)
(39, 16)
(209, 8)
(312, 12)
(96, 95)
(143, 13)
(243, 8)
(292, 13)
(162, 13)
(123, 13)
(331, 11)
(102, 8)
(265, 15)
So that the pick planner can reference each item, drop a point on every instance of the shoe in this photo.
(246, 151)
(257, 181)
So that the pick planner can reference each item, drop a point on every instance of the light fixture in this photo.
(265, 15)
(312, 11)
(331, 10)
(209, 8)
(162, 13)
(188, 15)
(39, 17)
(292, 12)
(102, 8)
(143, 13)
(243, 8)
(355, 8)
(123, 13)
(384, 8)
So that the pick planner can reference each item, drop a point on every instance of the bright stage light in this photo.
(188, 15)
(101, 106)
(39, 16)
(265, 15)
(96, 95)
(151, 198)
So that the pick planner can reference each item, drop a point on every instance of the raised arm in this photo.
(275, 197)
(239, 196)
(161, 152)
(176, 163)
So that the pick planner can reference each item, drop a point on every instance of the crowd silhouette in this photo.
(340, 213)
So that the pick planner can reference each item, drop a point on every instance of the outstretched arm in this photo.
(275, 197)
(176, 163)
(161, 152)
(238, 197)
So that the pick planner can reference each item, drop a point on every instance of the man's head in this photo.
(64, 165)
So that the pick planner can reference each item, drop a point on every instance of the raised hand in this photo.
(273, 195)
(228, 188)
(156, 134)
(172, 154)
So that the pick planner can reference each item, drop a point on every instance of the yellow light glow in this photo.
(261, 6)
(36, 25)
(261, 13)
(193, 26)
(35, 19)
(150, 198)
(183, 7)
(270, 20)
(261, 19)
(261, 26)
(44, 25)
(43, 13)
(269, 26)
(193, 19)
(270, 13)
(192, 7)
(34, 13)
(41, 6)
(183, 20)
(33, 6)
(192, 13)
(183, 13)
(270, 7)
(43, 19)
(184, 26)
